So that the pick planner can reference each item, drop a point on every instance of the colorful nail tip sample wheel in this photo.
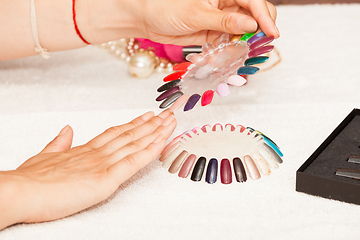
(214, 69)
(241, 152)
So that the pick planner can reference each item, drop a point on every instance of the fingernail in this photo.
(247, 24)
(211, 172)
(262, 165)
(168, 120)
(64, 130)
(158, 139)
(277, 30)
(239, 170)
(198, 169)
(172, 156)
(147, 116)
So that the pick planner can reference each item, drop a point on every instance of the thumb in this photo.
(229, 22)
(61, 142)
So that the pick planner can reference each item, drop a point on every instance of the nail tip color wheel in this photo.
(226, 152)
(215, 69)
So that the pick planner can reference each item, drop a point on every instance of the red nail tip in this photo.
(204, 128)
(225, 171)
(174, 76)
(218, 124)
(182, 66)
(232, 126)
(207, 97)
(242, 128)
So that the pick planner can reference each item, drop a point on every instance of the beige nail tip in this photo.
(168, 151)
(251, 166)
(172, 156)
(175, 166)
(179, 102)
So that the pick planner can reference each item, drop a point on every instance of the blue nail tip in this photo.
(247, 70)
(273, 146)
(211, 172)
(256, 60)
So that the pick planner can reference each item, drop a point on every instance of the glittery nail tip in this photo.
(260, 50)
(256, 37)
(174, 76)
(182, 66)
(239, 170)
(168, 85)
(207, 97)
(198, 169)
(225, 171)
(255, 60)
(167, 93)
(170, 100)
(261, 43)
(247, 70)
(211, 172)
(192, 102)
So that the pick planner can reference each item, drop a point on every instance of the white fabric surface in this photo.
(298, 104)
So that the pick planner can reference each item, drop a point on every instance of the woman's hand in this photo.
(60, 180)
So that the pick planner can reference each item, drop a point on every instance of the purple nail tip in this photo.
(256, 37)
(167, 93)
(260, 50)
(261, 42)
(192, 102)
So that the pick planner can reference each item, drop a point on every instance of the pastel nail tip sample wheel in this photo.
(214, 69)
(245, 149)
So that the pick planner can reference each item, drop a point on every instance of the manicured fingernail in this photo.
(164, 114)
(147, 116)
(158, 139)
(211, 171)
(239, 170)
(64, 130)
(198, 169)
(185, 169)
(168, 120)
(225, 171)
(175, 166)
(172, 156)
(179, 102)
(251, 166)
(277, 30)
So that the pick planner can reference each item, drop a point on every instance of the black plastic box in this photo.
(317, 175)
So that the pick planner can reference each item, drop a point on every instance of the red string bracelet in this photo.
(75, 24)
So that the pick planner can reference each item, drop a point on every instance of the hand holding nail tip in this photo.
(214, 70)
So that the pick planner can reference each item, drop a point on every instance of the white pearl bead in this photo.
(141, 65)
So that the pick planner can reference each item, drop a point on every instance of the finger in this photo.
(163, 132)
(129, 165)
(61, 142)
(261, 13)
(136, 133)
(230, 22)
(115, 131)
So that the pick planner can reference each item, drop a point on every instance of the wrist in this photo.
(99, 22)
(11, 199)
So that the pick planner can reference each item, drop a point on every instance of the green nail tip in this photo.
(246, 36)
(255, 60)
